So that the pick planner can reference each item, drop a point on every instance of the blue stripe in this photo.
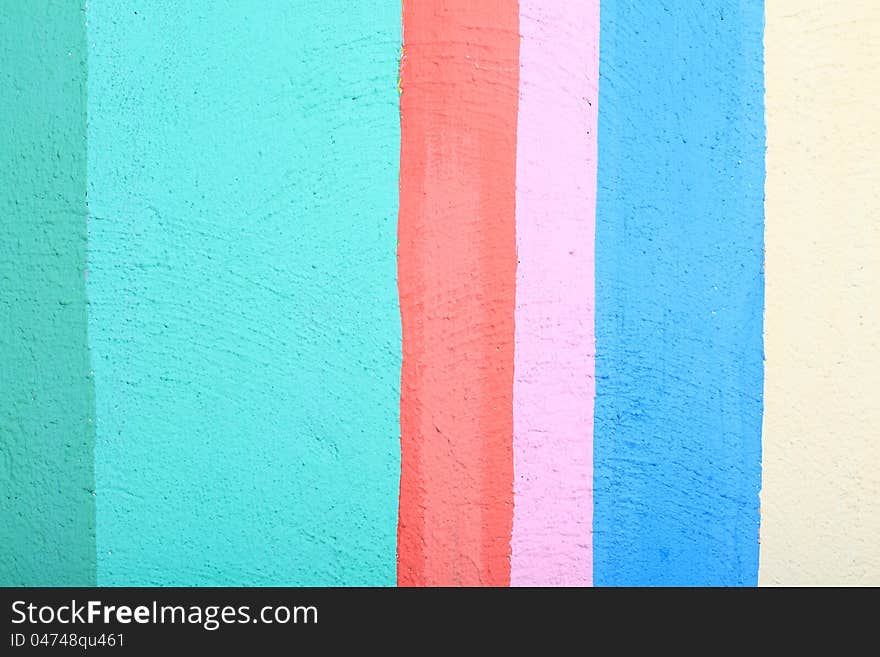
(679, 293)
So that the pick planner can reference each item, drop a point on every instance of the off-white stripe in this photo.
(821, 478)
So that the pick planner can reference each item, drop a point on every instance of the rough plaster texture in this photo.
(243, 169)
(47, 508)
(242, 181)
(820, 504)
(457, 272)
(555, 346)
(679, 293)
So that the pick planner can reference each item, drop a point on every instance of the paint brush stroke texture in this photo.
(679, 294)
(555, 345)
(457, 269)
(243, 170)
(47, 504)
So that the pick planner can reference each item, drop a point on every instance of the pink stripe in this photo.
(555, 343)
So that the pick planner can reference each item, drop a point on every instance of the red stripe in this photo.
(457, 269)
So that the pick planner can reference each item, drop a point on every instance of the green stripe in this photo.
(47, 508)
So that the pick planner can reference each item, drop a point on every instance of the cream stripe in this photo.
(821, 478)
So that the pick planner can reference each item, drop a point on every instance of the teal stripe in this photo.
(245, 327)
(47, 507)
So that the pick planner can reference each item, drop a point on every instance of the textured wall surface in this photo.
(324, 293)
(679, 293)
(820, 504)
(458, 106)
(47, 528)
(554, 387)
(245, 331)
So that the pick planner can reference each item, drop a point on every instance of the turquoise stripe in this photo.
(47, 438)
(243, 171)
(679, 293)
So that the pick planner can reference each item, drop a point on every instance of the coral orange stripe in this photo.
(457, 269)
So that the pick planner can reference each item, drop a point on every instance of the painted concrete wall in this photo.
(555, 345)
(439, 292)
(457, 277)
(47, 433)
(679, 294)
(820, 505)
(244, 323)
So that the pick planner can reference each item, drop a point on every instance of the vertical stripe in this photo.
(820, 502)
(47, 508)
(243, 172)
(457, 268)
(679, 293)
(555, 345)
